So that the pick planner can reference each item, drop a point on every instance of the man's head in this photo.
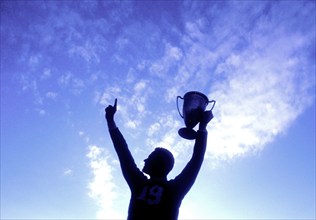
(159, 163)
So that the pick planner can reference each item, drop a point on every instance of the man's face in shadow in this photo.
(151, 164)
(159, 163)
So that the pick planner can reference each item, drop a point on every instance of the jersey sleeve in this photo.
(129, 169)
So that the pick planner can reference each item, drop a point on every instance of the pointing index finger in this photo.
(115, 103)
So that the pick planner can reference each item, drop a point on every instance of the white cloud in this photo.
(172, 93)
(193, 31)
(153, 129)
(27, 83)
(46, 74)
(75, 84)
(41, 112)
(131, 108)
(84, 136)
(51, 95)
(65, 79)
(88, 52)
(141, 65)
(164, 133)
(108, 96)
(132, 124)
(171, 56)
(262, 94)
(101, 187)
(173, 53)
(140, 86)
(261, 81)
(34, 60)
(68, 172)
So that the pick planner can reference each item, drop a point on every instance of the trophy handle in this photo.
(178, 105)
(213, 104)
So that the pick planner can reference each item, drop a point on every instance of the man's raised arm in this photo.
(187, 177)
(128, 166)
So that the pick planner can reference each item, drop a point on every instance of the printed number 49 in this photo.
(151, 195)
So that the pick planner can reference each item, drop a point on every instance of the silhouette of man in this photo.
(157, 198)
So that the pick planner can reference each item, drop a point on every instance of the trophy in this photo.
(194, 104)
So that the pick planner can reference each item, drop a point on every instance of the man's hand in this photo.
(207, 116)
(110, 111)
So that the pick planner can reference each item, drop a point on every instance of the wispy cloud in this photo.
(101, 187)
(68, 172)
(261, 85)
(256, 67)
(51, 95)
(132, 100)
(161, 67)
(86, 51)
(46, 74)
(73, 83)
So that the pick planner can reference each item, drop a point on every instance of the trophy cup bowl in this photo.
(194, 104)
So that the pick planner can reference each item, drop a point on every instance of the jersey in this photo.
(157, 199)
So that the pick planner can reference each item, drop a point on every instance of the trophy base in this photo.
(187, 133)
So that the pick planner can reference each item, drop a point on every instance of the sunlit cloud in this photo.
(256, 101)
(256, 87)
(101, 186)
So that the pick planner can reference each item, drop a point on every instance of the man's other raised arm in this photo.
(129, 169)
(189, 174)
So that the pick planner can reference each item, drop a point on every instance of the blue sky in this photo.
(63, 62)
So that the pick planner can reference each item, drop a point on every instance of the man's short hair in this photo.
(167, 158)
